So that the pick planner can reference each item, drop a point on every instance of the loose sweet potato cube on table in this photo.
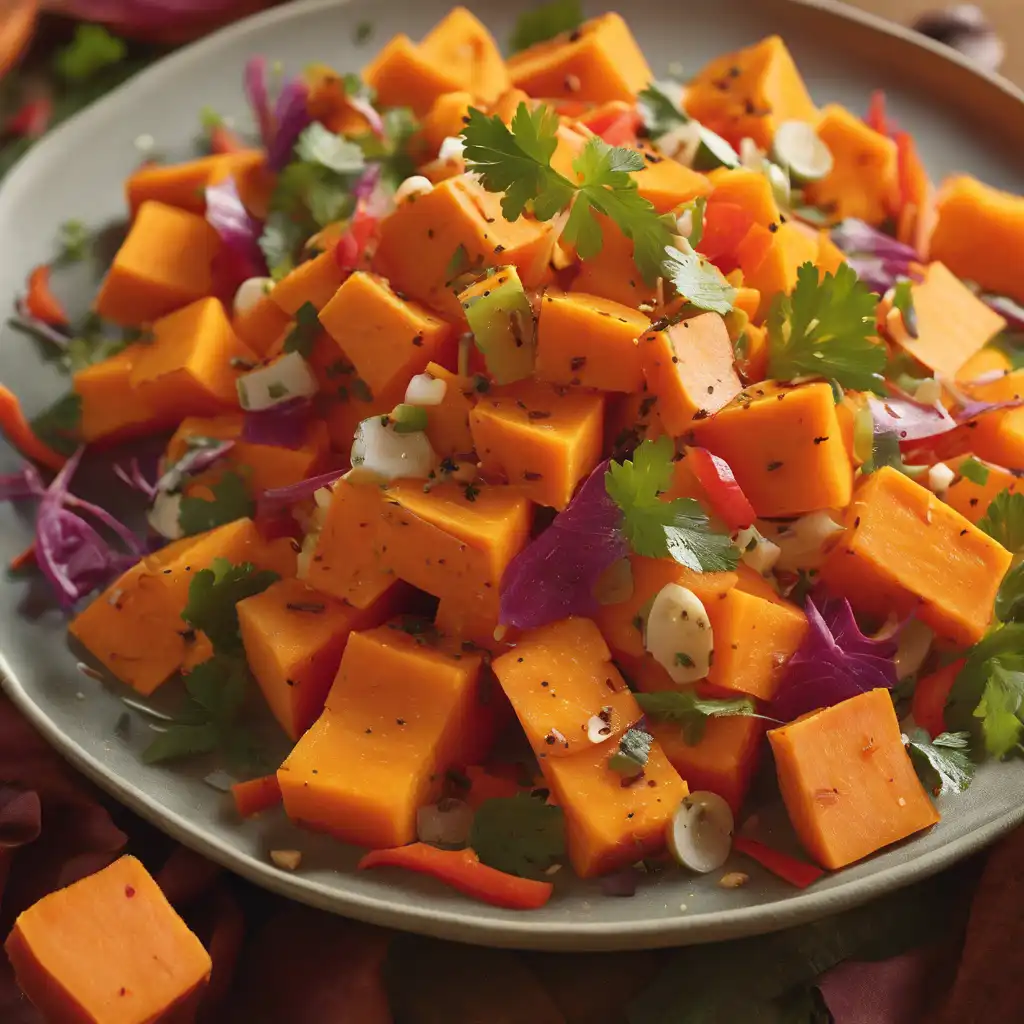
(543, 442)
(164, 263)
(784, 445)
(689, 366)
(398, 714)
(386, 338)
(589, 341)
(448, 423)
(403, 76)
(971, 499)
(612, 273)
(187, 367)
(314, 281)
(905, 551)
(108, 948)
(461, 45)
(847, 780)
(599, 61)
(773, 266)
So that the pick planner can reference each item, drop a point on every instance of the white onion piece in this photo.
(678, 634)
(380, 450)
(452, 148)
(284, 380)
(417, 185)
(802, 542)
(250, 293)
(758, 552)
(915, 641)
(700, 832)
(446, 823)
(940, 476)
(163, 516)
(681, 143)
(426, 390)
(928, 392)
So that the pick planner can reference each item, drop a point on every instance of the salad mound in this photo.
(556, 452)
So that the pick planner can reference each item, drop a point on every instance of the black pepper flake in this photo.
(973, 502)
(519, 661)
(773, 227)
(577, 363)
(575, 35)
(368, 732)
(418, 341)
(711, 389)
(430, 232)
(498, 249)
(821, 440)
(400, 721)
(313, 607)
(530, 475)
(963, 533)
(289, 682)
(538, 414)
(772, 466)
(856, 522)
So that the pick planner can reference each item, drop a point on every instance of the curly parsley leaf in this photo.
(943, 764)
(521, 835)
(1004, 520)
(824, 329)
(690, 711)
(230, 501)
(545, 22)
(655, 528)
(700, 282)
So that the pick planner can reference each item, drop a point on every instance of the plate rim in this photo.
(398, 911)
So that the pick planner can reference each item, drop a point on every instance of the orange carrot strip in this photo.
(15, 427)
(789, 869)
(223, 140)
(40, 300)
(26, 558)
(256, 795)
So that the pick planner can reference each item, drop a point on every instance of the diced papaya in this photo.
(610, 825)
(191, 365)
(386, 338)
(262, 325)
(931, 692)
(972, 499)
(398, 714)
(905, 551)
(314, 281)
(750, 190)
(847, 780)
(612, 273)
(294, 637)
(952, 322)
(785, 446)
(665, 183)
(750, 93)
(559, 678)
(774, 270)
(165, 263)
(864, 181)
(135, 627)
(543, 442)
(443, 120)
(448, 422)
(402, 76)
(457, 220)
(110, 948)
(689, 366)
(589, 341)
(631, 419)
(461, 45)
(979, 235)
(181, 185)
(599, 61)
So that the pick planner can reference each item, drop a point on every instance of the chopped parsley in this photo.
(943, 764)
(230, 501)
(1009, 604)
(73, 240)
(696, 279)
(323, 148)
(690, 711)
(303, 335)
(545, 22)
(521, 835)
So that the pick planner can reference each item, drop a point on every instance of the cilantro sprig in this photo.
(521, 835)
(690, 711)
(824, 329)
(656, 528)
(700, 282)
(230, 501)
(1004, 520)
(943, 764)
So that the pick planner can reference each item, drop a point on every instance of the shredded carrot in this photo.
(24, 559)
(789, 869)
(256, 795)
(40, 300)
(15, 427)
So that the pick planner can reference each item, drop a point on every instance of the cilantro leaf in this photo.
(73, 240)
(660, 112)
(824, 329)
(700, 282)
(1000, 706)
(545, 22)
(58, 426)
(304, 333)
(691, 711)
(1009, 604)
(282, 237)
(655, 528)
(317, 145)
(1004, 520)
(213, 596)
(230, 501)
(392, 150)
(521, 835)
(943, 764)
(182, 740)
(92, 49)
(975, 471)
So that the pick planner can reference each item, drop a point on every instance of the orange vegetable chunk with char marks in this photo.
(109, 949)
(542, 441)
(847, 780)
(398, 714)
(785, 446)
(558, 678)
(461, 45)
(164, 263)
(905, 551)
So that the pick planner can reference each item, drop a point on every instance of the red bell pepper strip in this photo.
(256, 795)
(726, 225)
(789, 869)
(878, 117)
(617, 129)
(352, 246)
(15, 427)
(725, 495)
(462, 870)
(40, 300)
(31, 119)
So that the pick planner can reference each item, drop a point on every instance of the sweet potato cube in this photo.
(448, 423)
(461, 45)
(590, 341)
(905, 551)
(262, 325)
(612, 273)
(542, 441)
(952, 322)
(749, 189)
(443, 121)
(774, 270)
(450, 542)
(398, 714)
(314, 281)
(689, 366)
(558, 678)
(403, 76)
(597, 62)
(971, 499)
(108, 948)
(785, 446)
(631, 419)
(609, 825)
(294, 637)
(464, 621)
(665, 183)
(386, 338)
(164, 263)
(997, 437)
(847, 780)
(187, 367)
(184, 185)
(457, 212)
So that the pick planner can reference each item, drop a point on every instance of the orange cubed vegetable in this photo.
(314, 281)
(785, 447)
(448, 421)
(403, 76)
(689, 366)
(750, 190)
(997, 437)
(988, 363)
(589, 341)
(972, 499)
(630, 419)
(398, 714)
(979, 235)
(612, 273)
(599, 61)
(262, 325)
(543, 442)
(774, 270)
(165, 263)
(386, 338)
(847, 780)
(905, 551)
(665, 183)
(443, 120)
(109, 948)
(750, 93)
(464, 621)
(180, 185)
(461, 45)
